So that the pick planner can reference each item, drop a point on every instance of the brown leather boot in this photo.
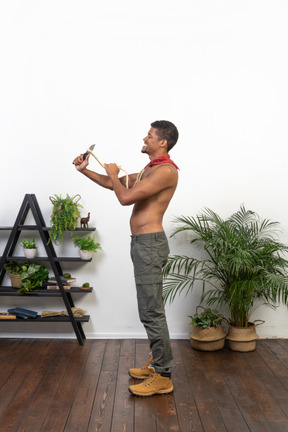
(154, 385)
(144, 372)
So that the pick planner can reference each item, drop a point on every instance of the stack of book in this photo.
(53, 284)
(19, 312)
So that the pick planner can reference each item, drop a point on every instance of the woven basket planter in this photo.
(243, 339)
(15, 280)
(207, 339)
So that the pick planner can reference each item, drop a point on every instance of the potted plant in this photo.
(87, 246)
(207, 333)
(30, 275)
(243, 263)
(14, 269)
(29, 247)
(65, 214)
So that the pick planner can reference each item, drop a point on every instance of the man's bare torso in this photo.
(147, 215)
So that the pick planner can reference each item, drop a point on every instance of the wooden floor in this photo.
(56, 385)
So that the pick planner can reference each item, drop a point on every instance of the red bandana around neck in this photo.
(161, 159)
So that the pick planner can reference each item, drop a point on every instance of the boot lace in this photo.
(148, 381)
(147, 365)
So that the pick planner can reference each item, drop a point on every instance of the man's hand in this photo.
(80, 163)
(111, 169)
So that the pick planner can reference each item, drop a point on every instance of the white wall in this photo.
(75, 73)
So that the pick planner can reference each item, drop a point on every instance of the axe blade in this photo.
(87, 152)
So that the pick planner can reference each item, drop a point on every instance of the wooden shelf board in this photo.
(40, 292)
(41, 259)
(38, 319)
(35, 228)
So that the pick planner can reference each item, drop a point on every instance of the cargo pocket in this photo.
(143, 260)
(163, 252)
(144, 254)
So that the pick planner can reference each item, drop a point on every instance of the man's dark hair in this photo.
(166, 130)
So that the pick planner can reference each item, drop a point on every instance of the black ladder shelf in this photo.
(30, 203)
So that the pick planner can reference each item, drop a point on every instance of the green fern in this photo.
(64, 217)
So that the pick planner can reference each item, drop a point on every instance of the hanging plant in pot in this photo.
(207, 333)
(29, 247)
(243, 265)
(64, 217)
(86, 246)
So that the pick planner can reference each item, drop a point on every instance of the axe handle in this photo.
(90, 151)
(127, 175)
(84, 156)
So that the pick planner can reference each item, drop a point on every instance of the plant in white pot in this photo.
(87, 246)
(243, 263)
(29, 247)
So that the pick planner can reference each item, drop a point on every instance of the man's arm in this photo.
(101, 180)
(162, 178)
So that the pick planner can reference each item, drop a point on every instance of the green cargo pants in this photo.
(149, 253)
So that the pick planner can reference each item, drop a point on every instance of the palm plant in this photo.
(243, 262)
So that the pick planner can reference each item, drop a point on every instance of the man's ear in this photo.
(164, 143)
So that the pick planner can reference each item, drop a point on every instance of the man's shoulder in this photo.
(164, 168)
(163, 174)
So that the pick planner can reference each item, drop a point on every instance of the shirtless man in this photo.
(150, 191)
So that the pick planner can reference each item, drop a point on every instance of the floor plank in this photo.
(102, 411)
(145, 418)
(243, 386)
(36, 414)
(84, 398)
(57, 385)
(18, 384)
(11, 353)
(123, 411)
(188, 417)
(206, 405)
(226, 404)
(62, 402)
